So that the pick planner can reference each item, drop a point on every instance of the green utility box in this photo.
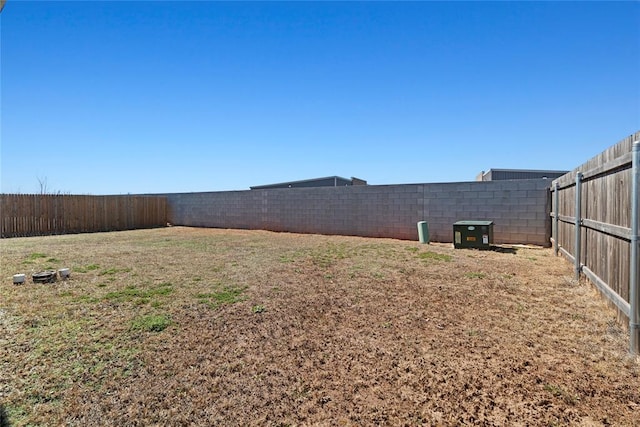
(473, 234)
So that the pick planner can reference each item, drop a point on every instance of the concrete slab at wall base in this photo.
(519, 209)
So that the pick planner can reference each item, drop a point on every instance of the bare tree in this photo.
(44, 189)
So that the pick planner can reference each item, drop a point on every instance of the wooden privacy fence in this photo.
(44, 214)
(595, 226)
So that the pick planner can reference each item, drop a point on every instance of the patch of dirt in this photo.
(288, 329)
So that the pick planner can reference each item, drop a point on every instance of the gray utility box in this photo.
(473, 234)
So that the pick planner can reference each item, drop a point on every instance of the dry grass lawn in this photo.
(186, 326)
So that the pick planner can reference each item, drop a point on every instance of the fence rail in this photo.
(24, 215)
(595, 227)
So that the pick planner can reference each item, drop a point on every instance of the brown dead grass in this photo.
(185, 326)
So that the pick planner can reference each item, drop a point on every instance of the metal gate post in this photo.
(556, 198)
(578, 223)
(634, 292)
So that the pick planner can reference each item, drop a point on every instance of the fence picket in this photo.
(44, 214)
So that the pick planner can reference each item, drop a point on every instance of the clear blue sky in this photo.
(147, 97)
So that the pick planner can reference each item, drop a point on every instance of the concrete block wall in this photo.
(520, 209)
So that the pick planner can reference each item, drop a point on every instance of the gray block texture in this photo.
(519, 209)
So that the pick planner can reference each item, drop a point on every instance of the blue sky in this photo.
(148, 97)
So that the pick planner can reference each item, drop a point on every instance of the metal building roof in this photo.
(328, 181)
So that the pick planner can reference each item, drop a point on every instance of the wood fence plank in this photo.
(605, 222)
(40, 214)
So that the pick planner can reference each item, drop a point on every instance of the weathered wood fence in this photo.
(44, 214)
(593, 226)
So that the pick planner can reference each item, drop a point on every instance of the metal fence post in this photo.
(634, 292)
(578, 223)
(556, 197)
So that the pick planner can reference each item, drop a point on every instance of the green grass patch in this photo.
(475, 275)
(139, 296)
(36, 255)
(113, 270)
(86, 299)
(86, 268)
(33, 257)
(15, 413)
(225, 295)
(434, 256)
(329, 255)
(151, 323)
(559, 392)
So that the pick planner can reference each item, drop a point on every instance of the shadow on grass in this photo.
(504, 250)
(4, 418)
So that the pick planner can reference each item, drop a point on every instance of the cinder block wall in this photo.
(520, 209)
